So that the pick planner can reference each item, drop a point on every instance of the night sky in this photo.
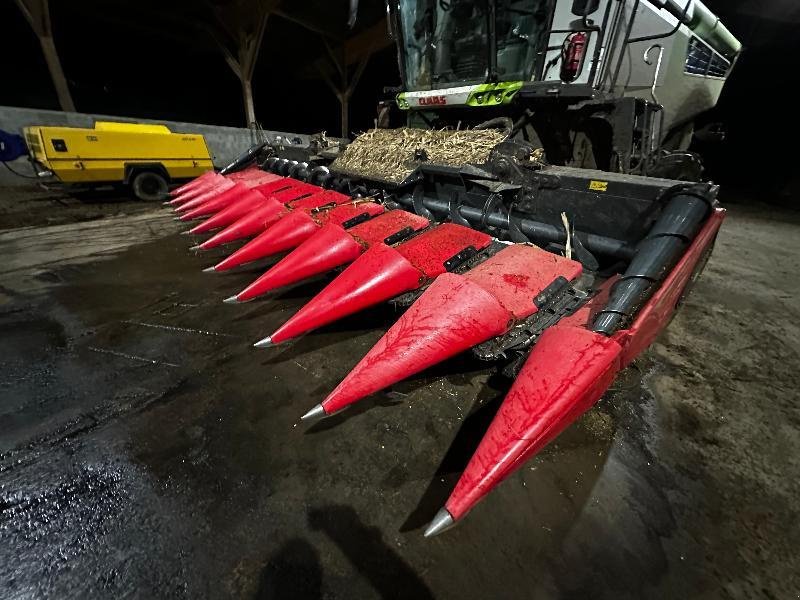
(135, 63)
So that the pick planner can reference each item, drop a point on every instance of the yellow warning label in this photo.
(598, 186)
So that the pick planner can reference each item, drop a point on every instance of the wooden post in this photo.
(249, 47)
(249, 105)
(344, 103)
(247, 42)
(347, 86)
(37, 13)
(357, 48)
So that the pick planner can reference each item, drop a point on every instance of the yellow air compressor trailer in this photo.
(145, 157)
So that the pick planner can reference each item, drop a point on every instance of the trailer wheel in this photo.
(149, 186)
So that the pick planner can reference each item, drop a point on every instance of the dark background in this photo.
(148, 63)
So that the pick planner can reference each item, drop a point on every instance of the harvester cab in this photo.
(560, 274)
(608, 84)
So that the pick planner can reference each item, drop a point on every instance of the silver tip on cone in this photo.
(441, 522)
(177, 219)
(315, 414)
(231, 300)
(195, 248)
(210, 270)
(186, 233)
(265, 343)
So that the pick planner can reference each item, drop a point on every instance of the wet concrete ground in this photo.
(146, 450)
(38, 204)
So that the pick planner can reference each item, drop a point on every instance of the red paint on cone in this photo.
(567, 371)
(319, 198)
(254, 177)
(429, 250)
(197, 181)
(253, 222)
(200, 195)
(329, 248)
(220, 201)
(247, 203)
(249, 178)
(517, 274)
(251, 172)
(177, 201)
(452, 315)
(289, 232)
(261, 218)
(204, 179)
(382, 273)
(378, 229)
(190, 211)
(285, 183)
(292, 229)
(313, 257)
(340, 215)
(455, 313)
(377, 275)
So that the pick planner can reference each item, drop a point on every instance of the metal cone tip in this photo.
(231, 300)
(441, 522)
(265, 343)
(209, 270)
(315, 414)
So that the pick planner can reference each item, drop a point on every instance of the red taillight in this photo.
(572, 56)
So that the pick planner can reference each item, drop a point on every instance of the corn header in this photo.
(541, 209)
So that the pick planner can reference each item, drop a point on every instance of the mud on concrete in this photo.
(146, 450)
(31, 204)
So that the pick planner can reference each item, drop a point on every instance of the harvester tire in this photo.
(149, 186)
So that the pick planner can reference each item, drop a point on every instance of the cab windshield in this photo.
(445, 43)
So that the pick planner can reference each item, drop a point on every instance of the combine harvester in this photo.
(562, 270)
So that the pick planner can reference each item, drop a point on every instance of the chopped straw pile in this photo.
(388, 154)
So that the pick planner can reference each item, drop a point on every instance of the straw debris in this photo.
(392, 154)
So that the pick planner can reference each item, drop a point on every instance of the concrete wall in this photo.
(224, 143)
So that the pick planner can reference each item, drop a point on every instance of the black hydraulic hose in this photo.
(17, 173)
(656, 255)
(244, 159)
(521, 122)
(535, 230)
